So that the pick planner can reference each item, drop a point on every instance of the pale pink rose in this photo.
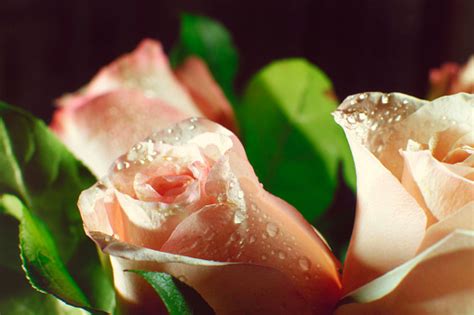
(452, 78)
(132, 97)
(414, 229)
(186, 201)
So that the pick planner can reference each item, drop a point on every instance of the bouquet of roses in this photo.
(157, 189)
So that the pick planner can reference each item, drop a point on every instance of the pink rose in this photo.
(412, 248)
(131, 98)
(187, 202)
(451, 78)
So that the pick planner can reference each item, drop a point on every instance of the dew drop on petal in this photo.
(304, 263)
(281, 255)
(252, 239)
(264, 257)
(239, 217)
(362, 96)
(272, 229)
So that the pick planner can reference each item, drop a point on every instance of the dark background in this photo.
(51, 47)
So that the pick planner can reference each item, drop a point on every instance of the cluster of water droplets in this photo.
(148, 149)
(372, 117)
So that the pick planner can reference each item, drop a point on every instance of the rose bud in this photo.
(451, 78)
(131, 98)
(414, 230)
(187, 202)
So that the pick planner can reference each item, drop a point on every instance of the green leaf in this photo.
(41, 261)
(47, 179)
(39, 170)
(210, 40)
(290, 136)
(17, 298)
(168, 291)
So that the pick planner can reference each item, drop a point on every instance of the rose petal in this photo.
(146, 70)
(254, 289)
(228, 288)
(194, 75)
(461, 219)
(109, 125)
(384, 209)
(432, 178)
(437, 281)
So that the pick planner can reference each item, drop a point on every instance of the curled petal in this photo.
(384, 210)
(194, 75)
(461, 219)
(436, 281)
(109, 125)
(145, 70)
(431, 176)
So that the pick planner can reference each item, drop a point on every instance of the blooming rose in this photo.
(451, 78)
(414, 228)
(132, 97)
(186, 201)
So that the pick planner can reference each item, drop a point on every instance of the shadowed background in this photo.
(51, 47)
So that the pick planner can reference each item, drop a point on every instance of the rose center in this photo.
(171, 185)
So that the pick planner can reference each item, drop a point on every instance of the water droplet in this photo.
(398, 117)
(264, 257)
(193, 119)
(374, 126)
(304, 263)
(177, 138)
(182, 278)
(272, 229)
(362, 116)
(281, 255)
(405, 102)
(239, 217)
(119, 166)
(240, 194)
(362, 96)
(351, 119)
(252, 239)
(387, 113)
(169, 130)
(191, 127)
(385, 99)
